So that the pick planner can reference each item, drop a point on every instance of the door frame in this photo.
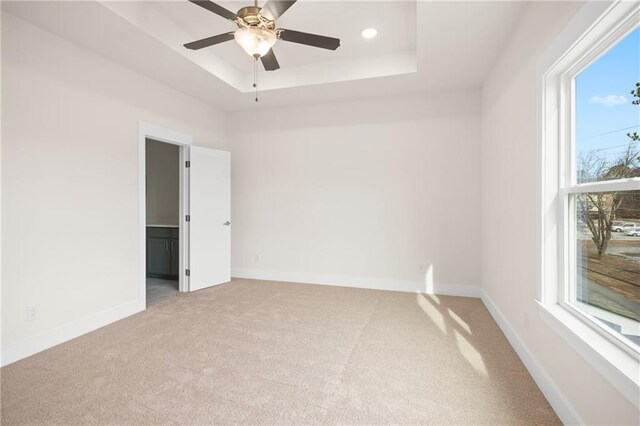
(183, 141)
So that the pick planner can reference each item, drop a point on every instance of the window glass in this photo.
(606, 118)
(607, 260)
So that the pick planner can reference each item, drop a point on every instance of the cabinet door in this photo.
(175, 257)
(158, 256)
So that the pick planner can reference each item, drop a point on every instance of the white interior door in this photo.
(210, 217)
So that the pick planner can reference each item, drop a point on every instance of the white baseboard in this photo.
(46, 340)
(359, 282)
(556, 398)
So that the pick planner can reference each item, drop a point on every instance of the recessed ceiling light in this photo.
(369, 33)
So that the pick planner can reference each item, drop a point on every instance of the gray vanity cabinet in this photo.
(162, 252)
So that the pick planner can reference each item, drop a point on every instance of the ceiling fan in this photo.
(257, 31)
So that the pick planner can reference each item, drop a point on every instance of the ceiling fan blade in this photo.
(269, 61)
(310, 39)
(209, 41)
(274, 9)
(218, 10)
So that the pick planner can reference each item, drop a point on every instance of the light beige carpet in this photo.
(258, 352)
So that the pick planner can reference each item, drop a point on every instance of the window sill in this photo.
(620, 368)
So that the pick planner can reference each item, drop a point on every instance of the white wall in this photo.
(163, 183)
(509, 211)
(335, 193)
(359, 193)
(70, 178)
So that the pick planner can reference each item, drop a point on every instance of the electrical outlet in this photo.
(421, 267)
(256, 258)
(32, 313)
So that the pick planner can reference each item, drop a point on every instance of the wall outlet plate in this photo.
(32, 313)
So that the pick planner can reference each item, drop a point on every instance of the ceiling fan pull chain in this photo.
(255, 76)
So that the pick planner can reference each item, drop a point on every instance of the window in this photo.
(590, 190)
(603, 280)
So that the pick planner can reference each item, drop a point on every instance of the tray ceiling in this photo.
(421, 46)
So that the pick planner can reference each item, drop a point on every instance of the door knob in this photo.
(227, 223)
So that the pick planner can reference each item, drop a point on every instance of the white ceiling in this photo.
(395, 22)
(423, 46)
(393, 53)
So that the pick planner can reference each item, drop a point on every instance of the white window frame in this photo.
(596, 28)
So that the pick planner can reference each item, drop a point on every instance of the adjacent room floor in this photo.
(159, 289)
(273, 353)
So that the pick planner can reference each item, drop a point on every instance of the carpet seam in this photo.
(357, 340)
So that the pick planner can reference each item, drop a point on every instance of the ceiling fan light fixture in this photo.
(256, 41)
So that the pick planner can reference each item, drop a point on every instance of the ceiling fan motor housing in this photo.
(251, 16)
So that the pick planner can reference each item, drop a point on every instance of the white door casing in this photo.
(210, 216)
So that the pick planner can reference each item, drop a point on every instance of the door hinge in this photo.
(188, 218)
(187, 272)
(187, 164)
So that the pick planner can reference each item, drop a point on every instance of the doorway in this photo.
(163, 193)
(162, 182)
(202, 239)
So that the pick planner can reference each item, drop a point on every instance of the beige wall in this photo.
(163, 183)
(369, 189)
(509, 214)
(70, 176)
